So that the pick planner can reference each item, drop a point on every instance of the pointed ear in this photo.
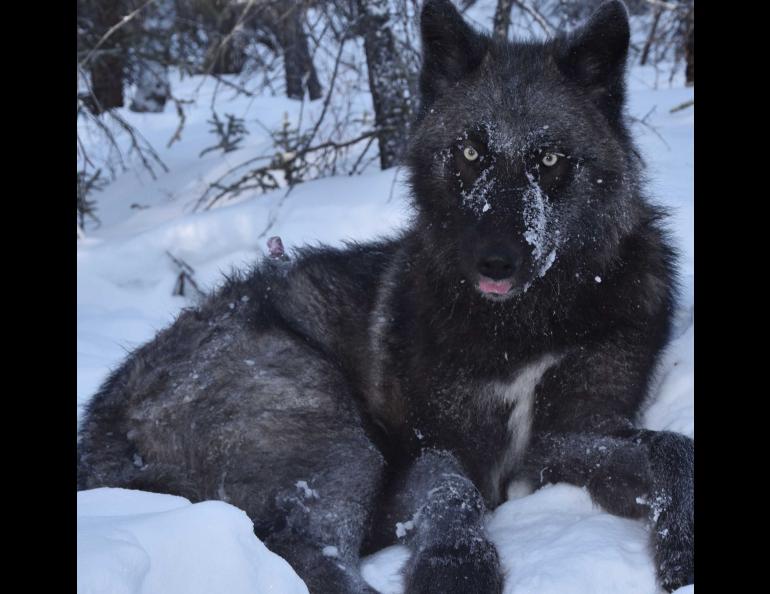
(451, 49)
(594, 55)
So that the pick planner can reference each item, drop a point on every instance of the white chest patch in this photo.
(519, 393)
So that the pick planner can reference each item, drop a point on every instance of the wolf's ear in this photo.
(451, 49)
(594, 55)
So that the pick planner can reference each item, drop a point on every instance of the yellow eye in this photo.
(549, 160)
(470, 153)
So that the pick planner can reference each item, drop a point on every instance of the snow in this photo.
(402, 528)
(556, 532)
(476, 197)
(553, 540)
(132, 542)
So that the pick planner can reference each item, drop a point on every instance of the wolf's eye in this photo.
(550, 159)
(470, 153)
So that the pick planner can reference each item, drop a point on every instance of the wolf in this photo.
(394, 391)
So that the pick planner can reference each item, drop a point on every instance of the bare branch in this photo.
(682, 106)
(126, 19)
(547, 28)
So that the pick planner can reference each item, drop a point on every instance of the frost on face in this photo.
(441, 162)
(476, 198)
(499, 141)
(550, 259)
(539, 223)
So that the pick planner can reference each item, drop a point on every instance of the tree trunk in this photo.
(651, 36)
(108, 64)
(502, 21)
(689, 50)
(300, 71)
(388, 81)
(152, 85)
(106, 83)
(284, 23)
(226, 53)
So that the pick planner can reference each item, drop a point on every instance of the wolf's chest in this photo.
(516, 398)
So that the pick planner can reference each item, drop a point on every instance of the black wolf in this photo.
(508, 336)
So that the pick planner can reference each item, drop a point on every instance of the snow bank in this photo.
(132, 542)
(556, 541)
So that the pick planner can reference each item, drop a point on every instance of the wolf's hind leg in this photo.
(442, 522)
(324, 518)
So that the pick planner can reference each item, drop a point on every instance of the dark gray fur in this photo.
(380, 375)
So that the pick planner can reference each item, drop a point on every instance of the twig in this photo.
(662, 4)
(653, 129)
(182, 119)
(238, 185)
(135, 136)
(539, 18)
(682, 106)
(114, 28)
(185, 274)
(361, 156)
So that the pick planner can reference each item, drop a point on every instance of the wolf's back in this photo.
(232, 386)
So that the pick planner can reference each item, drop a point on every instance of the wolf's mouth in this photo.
(490, 287)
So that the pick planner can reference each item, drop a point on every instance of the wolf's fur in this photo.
(355, 390)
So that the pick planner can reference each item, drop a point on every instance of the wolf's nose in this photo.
(496, 267)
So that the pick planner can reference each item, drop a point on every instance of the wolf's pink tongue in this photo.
(487, 285)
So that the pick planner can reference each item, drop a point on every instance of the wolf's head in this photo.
(520, 158)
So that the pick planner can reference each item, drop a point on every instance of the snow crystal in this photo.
(330, 551)
(403, 527)
(306, 490)
(659, 504)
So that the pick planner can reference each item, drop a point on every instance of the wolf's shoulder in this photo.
(353, 261)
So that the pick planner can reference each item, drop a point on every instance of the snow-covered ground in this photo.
(554, 540)
(132, 541)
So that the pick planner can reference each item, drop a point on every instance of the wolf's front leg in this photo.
(442, 523)
(631, 473)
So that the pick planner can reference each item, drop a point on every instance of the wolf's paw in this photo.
(675, 567)
(456, 568)
(673, 544)
(674, 552)
(671, 507)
